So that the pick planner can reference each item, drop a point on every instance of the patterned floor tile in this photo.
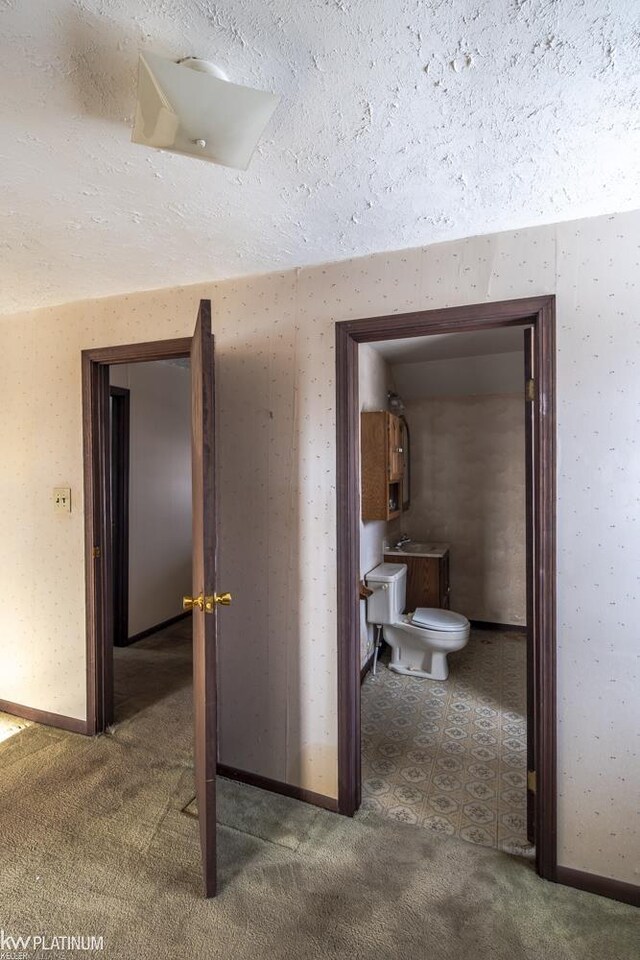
(478, 835)
(415, 773)
(446, 782)
(439, 824)
(452, 756)
(403, 814)
(481, 790)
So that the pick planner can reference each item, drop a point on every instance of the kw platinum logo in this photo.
(21, 946)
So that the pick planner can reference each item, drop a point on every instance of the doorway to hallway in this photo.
(203, 599)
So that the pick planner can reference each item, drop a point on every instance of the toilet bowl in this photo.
(421, 641)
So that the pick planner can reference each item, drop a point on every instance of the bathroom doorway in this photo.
(510, 318)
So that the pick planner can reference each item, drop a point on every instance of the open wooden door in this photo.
(205, 600)
(529, 426)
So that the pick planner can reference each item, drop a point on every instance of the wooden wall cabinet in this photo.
(427, 580)
(382, 465)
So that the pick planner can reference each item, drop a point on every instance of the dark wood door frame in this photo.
(97, 512)
(529, 430)
(120, 437)
(539, 313)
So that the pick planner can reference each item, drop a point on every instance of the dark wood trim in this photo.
(44, 716)
(475, 316)
(96, 469)
(544, 589)
(158, 627)
(529, 434)
(538, 312)
(96, 455)
(120, 445)
(602, 886)
(278, 786)
(140, 352)
(348, 572)
(491, 625)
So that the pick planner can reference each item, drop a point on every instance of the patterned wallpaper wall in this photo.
(276, 435)
(467, 489)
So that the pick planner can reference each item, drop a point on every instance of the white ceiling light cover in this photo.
(186, 108)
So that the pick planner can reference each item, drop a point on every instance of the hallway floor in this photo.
(95, 842)
(151, 669)
(451, 756)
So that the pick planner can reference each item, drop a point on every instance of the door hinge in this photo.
(97, 553)
(531, 780)
(530, 389)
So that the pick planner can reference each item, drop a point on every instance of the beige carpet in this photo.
(451, 756)
(94, 842)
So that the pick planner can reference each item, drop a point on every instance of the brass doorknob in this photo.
(223, 598)
(210, 603)
(188, 603)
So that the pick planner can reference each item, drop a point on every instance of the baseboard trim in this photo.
(156, 629)
(277, 786)
(602, 886)
(490, 625)
(43, 716)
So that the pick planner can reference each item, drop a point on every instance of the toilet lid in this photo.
(438, 619)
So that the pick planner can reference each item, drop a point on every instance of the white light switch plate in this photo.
(62, 499)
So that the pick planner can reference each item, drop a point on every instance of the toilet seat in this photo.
(434, 618)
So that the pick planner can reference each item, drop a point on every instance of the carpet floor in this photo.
(95, 841)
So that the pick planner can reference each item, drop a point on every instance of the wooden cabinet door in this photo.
(395, 448)
(427, 580)
(423, 579)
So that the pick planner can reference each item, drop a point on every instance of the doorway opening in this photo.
(431, 586)
(150, 488)
(444, 705)
(103, 487)
(114, 618)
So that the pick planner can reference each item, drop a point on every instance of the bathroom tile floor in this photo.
(451, 755)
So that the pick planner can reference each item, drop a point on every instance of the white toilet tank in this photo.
(389, 584)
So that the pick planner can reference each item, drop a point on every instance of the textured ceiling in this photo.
(401, 123)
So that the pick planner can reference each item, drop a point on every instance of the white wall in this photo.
(159, 490)
(276, 438)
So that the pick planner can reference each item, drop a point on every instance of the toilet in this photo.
(420, 641)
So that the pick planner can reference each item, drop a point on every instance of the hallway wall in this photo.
(159, 490)
(276, 439)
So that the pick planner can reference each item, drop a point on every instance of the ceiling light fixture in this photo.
(191, 107)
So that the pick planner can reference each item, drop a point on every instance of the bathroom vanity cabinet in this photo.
(382, 461)
(427, 579)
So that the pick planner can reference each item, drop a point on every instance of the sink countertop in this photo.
(431, 550)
